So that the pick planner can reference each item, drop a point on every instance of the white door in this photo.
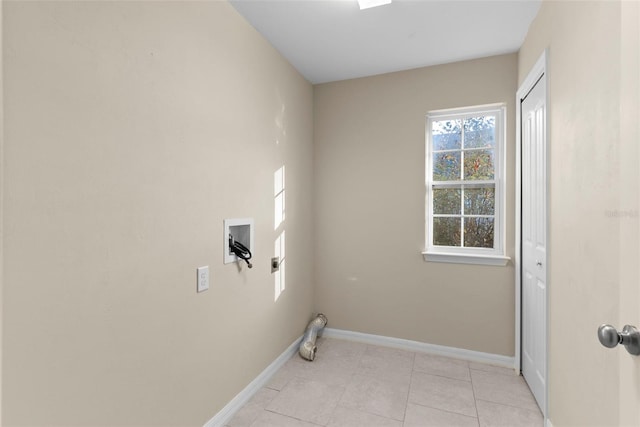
(534, 240)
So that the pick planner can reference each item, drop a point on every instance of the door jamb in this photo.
(539, 70)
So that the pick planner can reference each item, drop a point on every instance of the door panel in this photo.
(534, 232)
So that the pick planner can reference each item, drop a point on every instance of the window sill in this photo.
(496, 260)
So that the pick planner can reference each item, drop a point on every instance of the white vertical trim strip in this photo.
(549, 249)
(1, 191)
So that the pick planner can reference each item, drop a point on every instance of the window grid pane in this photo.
(480, 131)
(476, 230)
(447, 200)
(478, 165)
(446, 134)
(447, 231)
(479, 201)
(447, 166)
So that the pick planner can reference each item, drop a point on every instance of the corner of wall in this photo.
(1, 197)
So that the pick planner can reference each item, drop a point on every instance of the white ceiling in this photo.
(329, 40)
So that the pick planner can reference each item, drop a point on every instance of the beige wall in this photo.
(1, 196)
(593, 218)
(132, 129)
(370, 210)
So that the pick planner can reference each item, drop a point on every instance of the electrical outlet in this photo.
(203, 278)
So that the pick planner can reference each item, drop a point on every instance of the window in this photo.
(465, 194)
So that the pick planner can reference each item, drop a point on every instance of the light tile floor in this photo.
(352, 384)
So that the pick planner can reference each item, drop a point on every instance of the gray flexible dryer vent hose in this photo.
(308, 345)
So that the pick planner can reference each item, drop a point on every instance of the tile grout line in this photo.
(406, 403)
(444, 410)
(344, 389)
(510, 406)
(293, 418)
(475, 399)
(441, 376)
(504, 374)
(497, 403)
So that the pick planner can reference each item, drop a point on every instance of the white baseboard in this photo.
(230, 409)
(457, 353)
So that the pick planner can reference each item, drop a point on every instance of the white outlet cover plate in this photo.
(203, 278)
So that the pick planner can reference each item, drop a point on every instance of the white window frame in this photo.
(463, 255)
